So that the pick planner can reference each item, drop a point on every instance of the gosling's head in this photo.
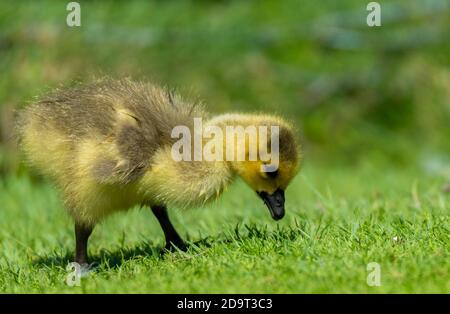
(272, 171)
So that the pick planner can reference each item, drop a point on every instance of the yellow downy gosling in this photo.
(108, 146)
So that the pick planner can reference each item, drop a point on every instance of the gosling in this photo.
(108, 146)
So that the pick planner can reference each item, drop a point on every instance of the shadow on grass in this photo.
(114, 259)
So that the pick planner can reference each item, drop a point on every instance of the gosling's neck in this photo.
(183, 183)
(191, 183)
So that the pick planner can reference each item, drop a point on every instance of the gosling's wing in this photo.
(128, 151)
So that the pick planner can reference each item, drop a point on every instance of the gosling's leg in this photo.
(172, 237)
(82, 234)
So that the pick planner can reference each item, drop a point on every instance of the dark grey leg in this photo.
(82, 234)
(172, 236)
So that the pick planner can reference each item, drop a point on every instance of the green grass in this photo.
(338, 220)
(374, 119)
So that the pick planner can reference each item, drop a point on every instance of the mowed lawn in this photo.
(356, 93)
(338, 220)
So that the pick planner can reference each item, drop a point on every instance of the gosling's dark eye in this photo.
(272, 174)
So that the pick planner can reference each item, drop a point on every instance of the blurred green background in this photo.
(372, 105)
(358, 93)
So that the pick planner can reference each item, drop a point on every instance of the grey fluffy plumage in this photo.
(86, 109)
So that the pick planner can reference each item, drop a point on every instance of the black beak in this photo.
(275, 203)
